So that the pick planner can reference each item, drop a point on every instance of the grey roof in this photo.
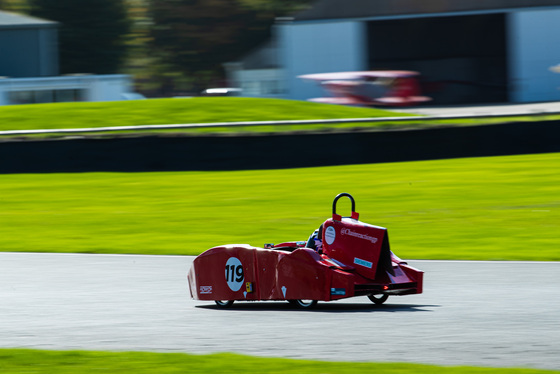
(13, 20)
(338, 9)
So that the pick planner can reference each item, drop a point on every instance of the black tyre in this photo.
(224, 303)
(303, 304)
(378, 299)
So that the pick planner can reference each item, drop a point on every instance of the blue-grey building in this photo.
(28, 46)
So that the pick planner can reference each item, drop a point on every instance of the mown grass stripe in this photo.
(18, 361)
(496, 208)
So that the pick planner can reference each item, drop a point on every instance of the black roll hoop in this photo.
(342, 195)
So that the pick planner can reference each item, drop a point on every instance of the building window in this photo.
(46, 96)
(21, 97)
(43, 96)
(62, 96)
(251, 88)
(271, 87)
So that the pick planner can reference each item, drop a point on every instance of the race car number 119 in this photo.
(234, 273)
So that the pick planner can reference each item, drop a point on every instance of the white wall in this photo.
(534, 46)
(93, 87)
(261, 82)
(307, 48)
(109, 87)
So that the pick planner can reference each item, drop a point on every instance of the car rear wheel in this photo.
(378, 299)
(224, 303)
(304, 304)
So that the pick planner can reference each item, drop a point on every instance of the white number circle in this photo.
(234, 273)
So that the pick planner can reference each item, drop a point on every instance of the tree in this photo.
(13, 5)
(91, 35)
(197, 36)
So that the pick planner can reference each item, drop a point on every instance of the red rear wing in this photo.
(353, 242)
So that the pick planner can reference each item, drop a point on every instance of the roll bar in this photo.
(338, 217)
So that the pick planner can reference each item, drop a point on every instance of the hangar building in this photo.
(467, 51)
(28, 46)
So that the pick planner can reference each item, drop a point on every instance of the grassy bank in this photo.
(172, 111)
(18, 361)
(477, 209)
(206, 110)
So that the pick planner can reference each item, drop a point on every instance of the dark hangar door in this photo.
(462, 59)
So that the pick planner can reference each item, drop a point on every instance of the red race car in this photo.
(343, 258)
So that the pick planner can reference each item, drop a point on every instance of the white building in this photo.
(466, 51)
(259, 74)
(112, 87)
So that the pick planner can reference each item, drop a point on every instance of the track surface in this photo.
(504, 314)
(493, 109)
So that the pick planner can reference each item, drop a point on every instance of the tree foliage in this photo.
(91, 34)
(13, 5)
(197, 36)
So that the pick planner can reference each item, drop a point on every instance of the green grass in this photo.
(205, 110)
(473, 208)
(172, 111)
(18, 361)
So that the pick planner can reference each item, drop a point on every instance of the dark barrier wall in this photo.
(166, 153)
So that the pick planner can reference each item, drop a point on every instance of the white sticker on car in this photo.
(330, 234)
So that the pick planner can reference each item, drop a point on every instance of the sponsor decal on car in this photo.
(338, 291)
(205, 290)
(359, 261)
(358, 235)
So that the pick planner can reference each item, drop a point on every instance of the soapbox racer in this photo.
(343, 258)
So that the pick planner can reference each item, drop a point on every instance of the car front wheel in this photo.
(224, 303)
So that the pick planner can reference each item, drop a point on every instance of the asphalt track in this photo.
(488, 109)
(500, 314)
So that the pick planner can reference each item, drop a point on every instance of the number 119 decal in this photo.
(234, 273)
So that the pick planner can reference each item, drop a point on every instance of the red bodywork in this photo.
(355, 260)
(377, 88)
